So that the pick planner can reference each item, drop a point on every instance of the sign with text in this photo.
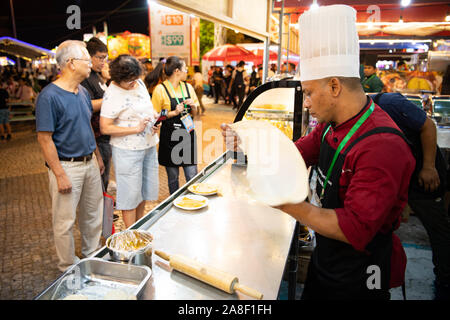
(172, 20)
(195, 41)
(170, 33)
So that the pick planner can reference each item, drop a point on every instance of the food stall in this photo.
(237, 241)
(135, 44)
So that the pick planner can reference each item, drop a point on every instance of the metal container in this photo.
(94, 278)
(142, 256)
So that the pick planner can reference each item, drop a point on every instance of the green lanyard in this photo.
(174, 94)
(344, 142)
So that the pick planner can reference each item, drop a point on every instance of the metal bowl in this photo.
(141, 256)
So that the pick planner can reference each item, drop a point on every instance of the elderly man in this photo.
(63, 125)
(364, 168)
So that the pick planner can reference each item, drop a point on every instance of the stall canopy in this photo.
(387, 18)
(229, 52)
(258, 50)
(23, 50)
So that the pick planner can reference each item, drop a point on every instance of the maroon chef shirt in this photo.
(373, 184)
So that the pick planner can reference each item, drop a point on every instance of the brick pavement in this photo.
(27, 253)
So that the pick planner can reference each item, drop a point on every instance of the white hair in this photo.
(67, 50)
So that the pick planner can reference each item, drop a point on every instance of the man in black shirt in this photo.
(238, 84)
(217, 80)
(95, 86)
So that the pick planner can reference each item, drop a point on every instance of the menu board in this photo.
(170, 33)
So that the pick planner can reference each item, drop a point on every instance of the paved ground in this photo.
(27, 254)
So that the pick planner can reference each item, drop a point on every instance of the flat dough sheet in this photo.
(276, 172)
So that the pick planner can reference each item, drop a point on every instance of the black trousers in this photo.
(218, 91)
(106, 152)
(240, 92)
(436, 222)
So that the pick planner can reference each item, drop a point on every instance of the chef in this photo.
(364, 167)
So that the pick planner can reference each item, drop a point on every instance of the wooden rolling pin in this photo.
(217, 278)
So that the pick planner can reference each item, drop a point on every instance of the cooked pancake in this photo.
(190, 203)
(202, 188)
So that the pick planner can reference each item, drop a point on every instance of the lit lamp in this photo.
(406, 3)
(314, 5)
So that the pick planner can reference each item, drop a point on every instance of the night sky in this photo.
(43, 22)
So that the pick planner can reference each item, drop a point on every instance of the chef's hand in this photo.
(429, 178)
(230, 137)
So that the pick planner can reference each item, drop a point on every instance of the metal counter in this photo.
(241, 237)
(443, 137)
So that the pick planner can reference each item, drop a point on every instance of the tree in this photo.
(206, 36)
(234, 37)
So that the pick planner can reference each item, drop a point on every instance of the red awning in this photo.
(229, 52)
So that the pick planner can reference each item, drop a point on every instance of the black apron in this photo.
(184, 145)
(337, 271)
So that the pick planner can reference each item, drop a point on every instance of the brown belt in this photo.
(75, 159)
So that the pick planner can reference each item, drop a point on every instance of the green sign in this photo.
(172, 40)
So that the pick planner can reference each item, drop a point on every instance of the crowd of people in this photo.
(97, 113)
(230, 85)
(20, 87)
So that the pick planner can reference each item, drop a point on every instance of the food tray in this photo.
(94, 278)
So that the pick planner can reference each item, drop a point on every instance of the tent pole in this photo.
(266, 59)
(280, 37)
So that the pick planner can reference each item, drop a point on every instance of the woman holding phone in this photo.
(127, 115)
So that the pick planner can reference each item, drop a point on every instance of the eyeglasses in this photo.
(101, 58)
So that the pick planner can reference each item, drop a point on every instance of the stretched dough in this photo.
(276, 171)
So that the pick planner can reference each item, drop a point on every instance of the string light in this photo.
(406, 3)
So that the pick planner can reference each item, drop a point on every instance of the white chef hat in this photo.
(329, 44)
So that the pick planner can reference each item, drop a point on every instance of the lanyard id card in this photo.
(187, 122)
(186, 118)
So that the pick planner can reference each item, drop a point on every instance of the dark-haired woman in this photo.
(177, 147)
(155, 77)
(127, 115)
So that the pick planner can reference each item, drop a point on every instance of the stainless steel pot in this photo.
(142, 256)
